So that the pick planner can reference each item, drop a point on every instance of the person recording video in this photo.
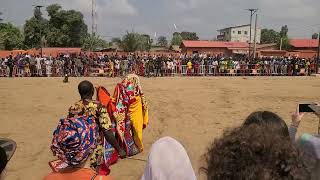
(309, 144)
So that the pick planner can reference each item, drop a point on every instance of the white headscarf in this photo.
(168, 160)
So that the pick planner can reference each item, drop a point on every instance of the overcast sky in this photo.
(115, 17)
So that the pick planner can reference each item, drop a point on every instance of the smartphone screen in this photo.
(305, 108)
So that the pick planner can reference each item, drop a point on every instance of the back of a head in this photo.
(86, 89)
(254, 152)
(268, 118)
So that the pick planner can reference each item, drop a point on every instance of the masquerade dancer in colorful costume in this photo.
(138, 108)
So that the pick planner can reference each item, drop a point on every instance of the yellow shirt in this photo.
(189, 64)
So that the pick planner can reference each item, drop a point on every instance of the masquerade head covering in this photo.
(168, 160)
(74, 140)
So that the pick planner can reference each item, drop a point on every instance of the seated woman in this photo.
(254, 152)
(74, 141)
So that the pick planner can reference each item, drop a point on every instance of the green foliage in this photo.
(65, 28)
(69, 24)
(176, 39)
(269, 36)
(34, 30)
(134, 42)
(285, 43)
(144, 42)
(284, 31)
(315, 36)
(162, 41)
(189, 35)
(10, 37)
(94, 43)
(130, 42)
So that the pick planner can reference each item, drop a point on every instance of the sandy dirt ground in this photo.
(195, 111)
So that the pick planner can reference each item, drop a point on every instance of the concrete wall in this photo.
(212, 51)
(245, 34)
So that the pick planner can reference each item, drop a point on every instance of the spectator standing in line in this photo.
(33, 67)
(10, 64)
(189, 68)
(38, 66)
(48, 64)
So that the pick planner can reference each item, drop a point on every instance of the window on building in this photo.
(239, 32)
(245, 32)
(233, 32)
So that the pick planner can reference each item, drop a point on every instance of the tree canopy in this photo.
(284, 31)
(269, 36)
(189, 35)
(132, 41)
(35, 29)
(272, 36)
(94, 43)
(285, 39)
(176, 39)
(64, 28)
(10, 37)
(162, 41)
(315, 36)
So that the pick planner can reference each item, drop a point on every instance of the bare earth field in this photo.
(192, 110)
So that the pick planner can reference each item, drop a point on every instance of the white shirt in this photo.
(38, 60)
(215, 63)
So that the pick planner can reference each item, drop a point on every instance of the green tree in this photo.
(269, 36)
(162, 41)
(315, 36)
(189, 35)
(284, 31)
(67, 27)
(285, 45)
(176, 39)
(130, 42)
(134, 42)
(35, 29)
(10, 37)
(94, 43)
(144, 42)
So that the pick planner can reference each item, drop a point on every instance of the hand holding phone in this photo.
(306, 107)
(297, 116)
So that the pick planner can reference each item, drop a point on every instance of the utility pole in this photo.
(318, 55)
(280, 44)
(38, 7)
(93, 17)
(252, 12)
(255, 37)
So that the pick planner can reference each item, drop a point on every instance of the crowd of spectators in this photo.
(24, 65)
